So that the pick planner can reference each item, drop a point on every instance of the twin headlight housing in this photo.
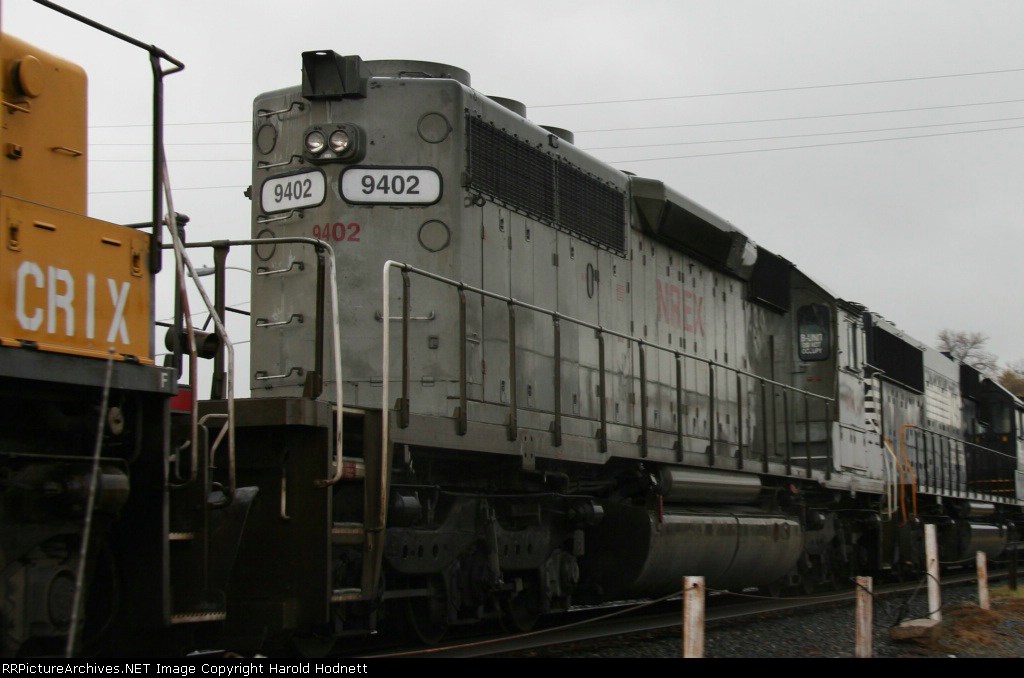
(325, 143)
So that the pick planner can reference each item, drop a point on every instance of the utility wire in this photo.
(800, 117)
(814, 134)
(677, 143)
(174, 124)
(691, 143)
(682, 96)
(173, 160)
(837, 143)
(588, 131)
(779, 89)
(148, 190)
(185, 143)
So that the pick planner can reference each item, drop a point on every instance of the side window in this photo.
(851, 359)
(814, 322)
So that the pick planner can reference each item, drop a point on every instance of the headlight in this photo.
(315, 142)
(333, 142)
(340, 141)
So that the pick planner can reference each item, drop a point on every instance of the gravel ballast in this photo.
(966, 631)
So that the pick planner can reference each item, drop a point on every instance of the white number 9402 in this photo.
(391, 185)
(293, 191)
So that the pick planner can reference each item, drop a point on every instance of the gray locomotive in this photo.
(557, 382)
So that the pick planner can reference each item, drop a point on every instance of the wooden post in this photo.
(693, 617)
(931, 552)
(864, 616)
(983, 601)
(1013, 566)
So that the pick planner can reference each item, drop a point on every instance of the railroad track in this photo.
(603, 622)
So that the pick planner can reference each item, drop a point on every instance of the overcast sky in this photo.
(788, 118)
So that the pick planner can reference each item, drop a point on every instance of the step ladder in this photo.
(368, 534)
(204, 525)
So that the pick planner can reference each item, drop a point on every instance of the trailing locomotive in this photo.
(491, 375)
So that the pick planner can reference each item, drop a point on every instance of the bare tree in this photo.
(1012, 378)
(968, 347)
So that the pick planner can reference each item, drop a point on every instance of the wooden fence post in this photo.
(693, 617)
(864, 617)
(983, 601)
(931, 552)
(1013, 566)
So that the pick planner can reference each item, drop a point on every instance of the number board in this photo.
(293, 191)
(391, 185)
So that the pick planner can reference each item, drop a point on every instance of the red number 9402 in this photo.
(338, 232)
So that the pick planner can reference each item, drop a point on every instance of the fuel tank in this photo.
(974, 537)
(635, 552)
(680, 485)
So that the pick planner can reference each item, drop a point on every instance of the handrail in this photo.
(211, 450)
(321, 246)
(954, 439)
(951, 448)
(601, 333)
(181, 261)
(904, 467)
(159, 159)
(597, 328)
(890, 490)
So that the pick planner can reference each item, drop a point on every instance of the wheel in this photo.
(775, 588)
(312, 646)
(427, 616)
(520, 612)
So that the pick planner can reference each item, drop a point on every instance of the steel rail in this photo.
(719, 611)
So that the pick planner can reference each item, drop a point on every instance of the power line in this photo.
(172, 160)
(837, 143)
(607, 129)
(185, 143)
(176, 190)
(174, 124)
(779, 89)
(199, 314)
(658, 145)
(813, 134)
(801, 117)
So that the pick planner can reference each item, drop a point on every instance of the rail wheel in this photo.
(520, 611)
(312, 646)
(774, 589)
(427, 616)
(810, 576)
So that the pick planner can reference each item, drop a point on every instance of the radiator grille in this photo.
(530, 181)
(590, 208)
(511, 170)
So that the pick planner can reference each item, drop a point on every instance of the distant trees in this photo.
(968, 347)
(1012, 378)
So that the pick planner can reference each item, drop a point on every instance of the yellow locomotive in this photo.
(84, 410)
